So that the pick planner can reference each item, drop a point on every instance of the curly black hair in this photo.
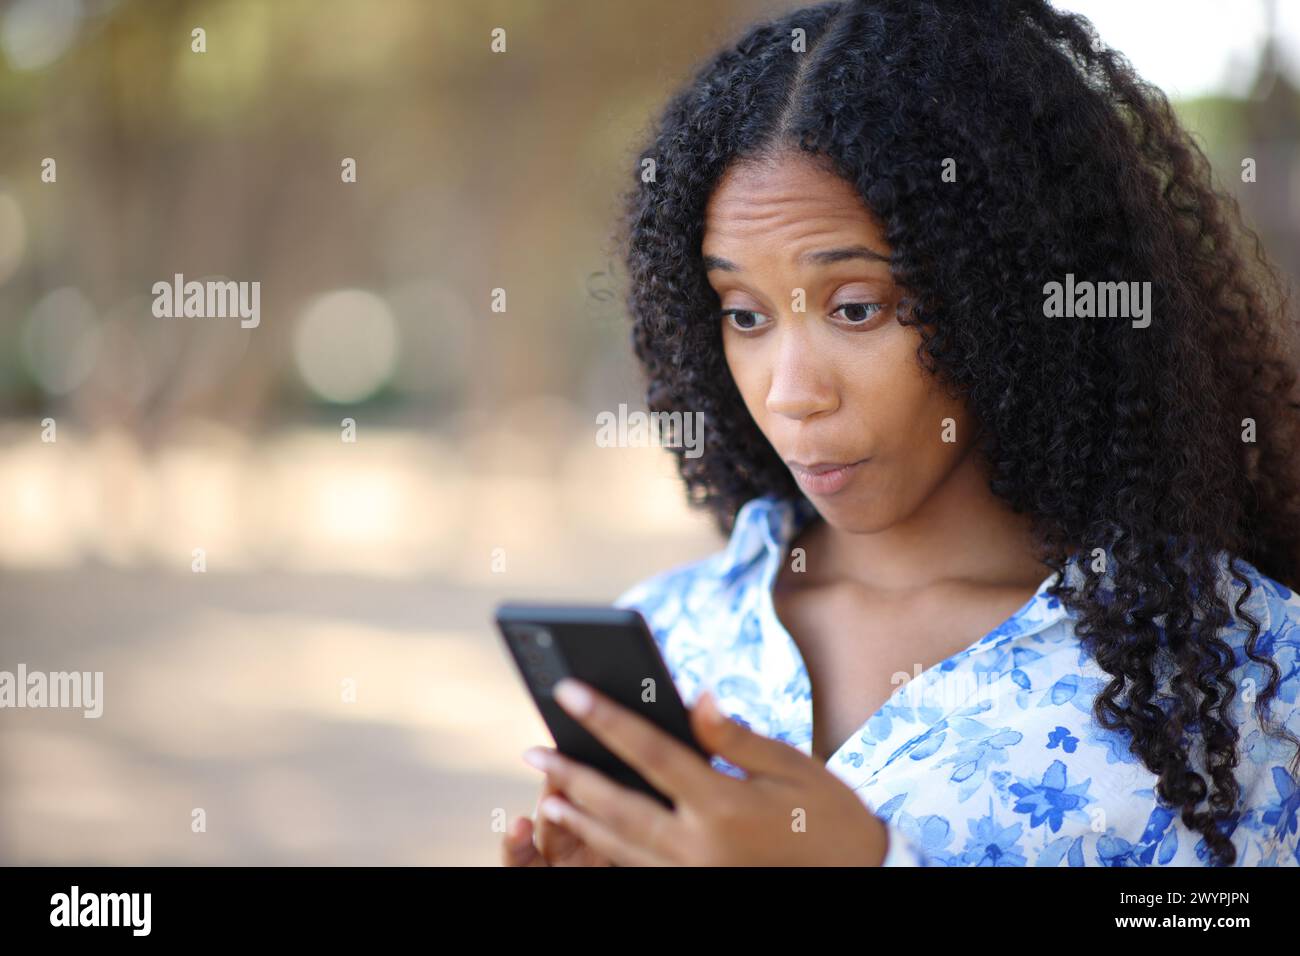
(1108, 436)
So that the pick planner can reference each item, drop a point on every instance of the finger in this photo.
(752, 752)
(632, 816)
(517, 848)
(596, 834)
(668, 764)
(554, 841)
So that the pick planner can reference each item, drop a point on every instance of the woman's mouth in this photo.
(824, 478)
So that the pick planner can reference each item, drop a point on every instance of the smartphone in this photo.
(608, 648)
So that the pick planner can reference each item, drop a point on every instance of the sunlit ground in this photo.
(331, 568)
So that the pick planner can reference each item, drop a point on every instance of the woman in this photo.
(1068, 533)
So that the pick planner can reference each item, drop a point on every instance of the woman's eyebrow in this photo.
(820, 257)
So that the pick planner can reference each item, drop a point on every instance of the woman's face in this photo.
(830, 377)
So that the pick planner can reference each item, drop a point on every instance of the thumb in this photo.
(739, 745)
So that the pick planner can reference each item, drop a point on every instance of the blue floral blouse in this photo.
(992, 757)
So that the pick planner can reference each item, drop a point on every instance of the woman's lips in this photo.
(825, 478)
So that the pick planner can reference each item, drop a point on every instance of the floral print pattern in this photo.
(991, 757)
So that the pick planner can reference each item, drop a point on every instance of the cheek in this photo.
(747, 374)
(914, 419)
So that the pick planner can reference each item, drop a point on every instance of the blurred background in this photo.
(329, 688)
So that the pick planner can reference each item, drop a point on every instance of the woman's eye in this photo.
(855, 313)
(859, 313)
(746, 320)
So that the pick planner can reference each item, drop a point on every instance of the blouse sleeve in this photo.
(902, 851)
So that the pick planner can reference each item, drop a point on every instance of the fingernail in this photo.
(552, 809)
(573, 697)
(712, 711)
(537, 759)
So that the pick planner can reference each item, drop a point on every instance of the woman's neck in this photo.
(960, 532)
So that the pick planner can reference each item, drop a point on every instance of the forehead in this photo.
(783, 200)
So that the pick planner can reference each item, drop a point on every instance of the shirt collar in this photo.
(765, 526)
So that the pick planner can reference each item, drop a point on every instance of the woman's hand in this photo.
(555, 845)
(790, 810)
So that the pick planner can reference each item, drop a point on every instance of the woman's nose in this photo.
(800, 385)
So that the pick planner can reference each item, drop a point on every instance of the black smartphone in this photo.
(608, 648)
